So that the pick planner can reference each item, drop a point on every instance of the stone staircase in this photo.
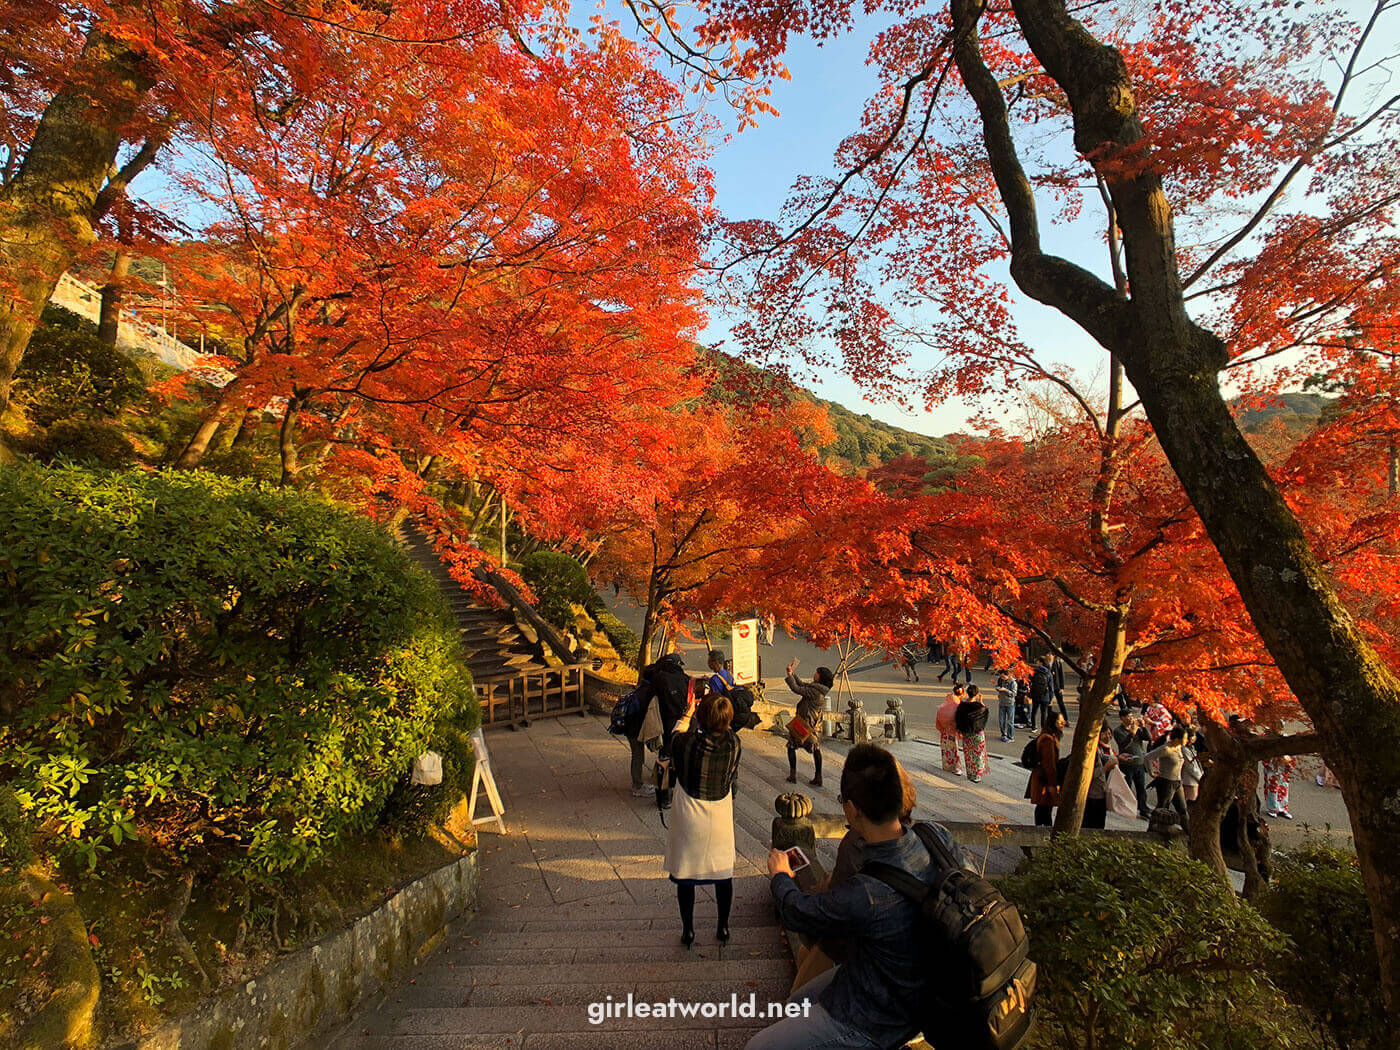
(494, 645)
(575, 908)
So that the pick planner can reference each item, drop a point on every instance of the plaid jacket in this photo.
(707, 767)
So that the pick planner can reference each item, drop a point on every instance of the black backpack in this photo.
(1029, 757)
(1042, 684)
(975, 954)
(741, 696)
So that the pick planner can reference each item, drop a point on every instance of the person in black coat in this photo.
(666, 682)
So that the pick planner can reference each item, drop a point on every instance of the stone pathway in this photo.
(575, 905)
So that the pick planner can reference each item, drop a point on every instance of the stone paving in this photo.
(575, 905)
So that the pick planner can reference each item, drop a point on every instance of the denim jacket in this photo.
(876, 988)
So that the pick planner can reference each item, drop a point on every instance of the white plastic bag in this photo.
(427, 769)
(1121, 799)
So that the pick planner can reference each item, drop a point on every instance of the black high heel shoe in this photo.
(722, 935)
(687, 938)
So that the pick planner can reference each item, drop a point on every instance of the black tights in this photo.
(724, 897)
(816, 760)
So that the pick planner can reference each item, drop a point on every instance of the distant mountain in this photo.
(1297, 412)
(894, 458)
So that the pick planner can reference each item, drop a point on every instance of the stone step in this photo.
(488, 637)
(603, 1038)
(623, 974)
(567, 989)
(609, 923)
(497, 656)
(670, 952)
(537, 1017)
(557, 940)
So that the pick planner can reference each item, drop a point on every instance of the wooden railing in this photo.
(534, 694)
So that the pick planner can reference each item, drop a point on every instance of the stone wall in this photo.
(320, 986)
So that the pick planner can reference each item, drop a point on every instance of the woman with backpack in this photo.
(945, 721)
(1043, 788)
(700, 838)
(970, 720)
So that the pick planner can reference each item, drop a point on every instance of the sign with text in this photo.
(743, 640)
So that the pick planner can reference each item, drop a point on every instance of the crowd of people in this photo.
(858, 969)
(1161, 757)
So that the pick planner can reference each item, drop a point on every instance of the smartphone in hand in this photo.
(797, 859)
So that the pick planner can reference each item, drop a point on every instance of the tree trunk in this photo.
(1349, 694)
(247, 426)
(482, 514)
(1230, 757)
(1092, 707)
(109, 320)
(46, 211)
(505, 520)
(203, 436)
(1217, 791)
(648, 633)
(287, 439)
(649, 622)
(1255, 877)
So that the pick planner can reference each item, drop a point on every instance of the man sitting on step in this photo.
(869, 1000)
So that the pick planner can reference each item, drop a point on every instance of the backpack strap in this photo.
(933, 842)
(911, 886)
(899, 880)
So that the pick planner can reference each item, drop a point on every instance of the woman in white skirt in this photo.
(700, 843)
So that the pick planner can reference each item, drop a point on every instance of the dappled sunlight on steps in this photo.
(575, 907)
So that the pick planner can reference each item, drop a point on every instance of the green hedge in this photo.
(235, 677)
(67, 370)
(624, 640)
(1140, 947)
(1319, 900)
(559, 583)
(87, 441)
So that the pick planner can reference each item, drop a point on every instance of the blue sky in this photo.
(819, 107)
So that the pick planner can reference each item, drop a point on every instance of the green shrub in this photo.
(257, 460)
(412, 808)
(1319, 900)
(15, 832)
(559, 582)
(87, 441)
(624, 640)
(236, 677)
(1141, 947)
(67, 370)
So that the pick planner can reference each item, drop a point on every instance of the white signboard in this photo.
(743, 639)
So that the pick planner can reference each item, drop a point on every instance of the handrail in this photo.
(86, 300)
(546, 631)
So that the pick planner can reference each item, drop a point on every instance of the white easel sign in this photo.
(481, 777)
(743, 641)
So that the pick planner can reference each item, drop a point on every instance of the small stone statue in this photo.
(793, 824)
(859, 724)
(894, 707)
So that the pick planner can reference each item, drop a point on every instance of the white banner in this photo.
(743, 640)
